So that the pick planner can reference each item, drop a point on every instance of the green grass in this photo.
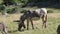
(52, 24)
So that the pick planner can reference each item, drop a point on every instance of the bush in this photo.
(23, 11)
(2, 7)
(50, 11)
(11, 11)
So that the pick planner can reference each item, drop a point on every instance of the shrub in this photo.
(9, 2)
(50, 11)
(2, 7)
(11, 11)
(23, 11)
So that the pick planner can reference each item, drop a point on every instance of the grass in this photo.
(52, 24)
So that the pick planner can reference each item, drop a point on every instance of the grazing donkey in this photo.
(3, 28)
(40, 13)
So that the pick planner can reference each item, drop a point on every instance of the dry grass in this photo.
(52, 24)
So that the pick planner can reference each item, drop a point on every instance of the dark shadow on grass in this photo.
(16, 21)
(22, 30)
(12, 31)
(58, 29)
(35, 18)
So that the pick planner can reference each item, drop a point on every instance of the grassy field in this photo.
(52, 24)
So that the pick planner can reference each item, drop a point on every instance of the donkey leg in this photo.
(19, 27)
(44, 19)
(5, 31)
(2, 32)
(24, 25)
(32, 23)
(27, 24)
(43, 22)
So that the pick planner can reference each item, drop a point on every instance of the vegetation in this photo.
(52, 24)
(13, 6)
(13, 10)
(2, 7)
(49, 11)
(23, 4)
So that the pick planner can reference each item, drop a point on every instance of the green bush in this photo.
(24, 1)
(23, 11)
(50, 11)
(2, 7)
(11, 11)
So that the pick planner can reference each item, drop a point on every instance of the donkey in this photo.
(40, 13)
(3, 28)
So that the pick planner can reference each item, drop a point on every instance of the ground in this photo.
(52, 24)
